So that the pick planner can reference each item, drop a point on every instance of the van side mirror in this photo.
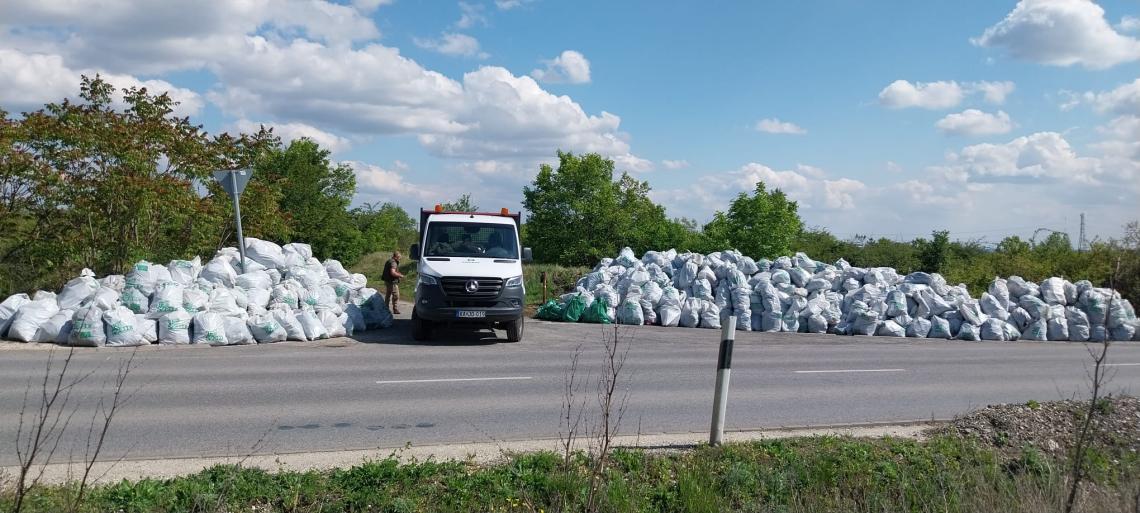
(414, 252)
(527, 256)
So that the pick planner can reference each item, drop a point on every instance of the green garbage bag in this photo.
(573, 309)
(551, 311)
(596, 313)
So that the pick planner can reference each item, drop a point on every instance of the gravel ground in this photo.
(1052, 426)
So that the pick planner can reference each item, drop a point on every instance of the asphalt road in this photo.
(383, 390)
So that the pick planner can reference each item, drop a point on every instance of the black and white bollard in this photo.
(723, 369)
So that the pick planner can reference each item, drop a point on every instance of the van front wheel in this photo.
(421, 329)
(515, 330)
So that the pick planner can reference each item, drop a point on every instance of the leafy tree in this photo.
(1013, 245)
(935, 253)
(100, 184)
(384, 226)
(578, 214)
(463, 204)
(761, 225)
(315, 196)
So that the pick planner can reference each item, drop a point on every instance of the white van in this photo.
(470, 272)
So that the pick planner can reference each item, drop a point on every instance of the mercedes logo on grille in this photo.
(472, 286)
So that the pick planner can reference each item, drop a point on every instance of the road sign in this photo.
(233, 181)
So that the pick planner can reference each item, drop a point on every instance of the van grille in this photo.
(456, 287)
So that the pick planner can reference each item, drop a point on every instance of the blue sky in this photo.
(896, 118)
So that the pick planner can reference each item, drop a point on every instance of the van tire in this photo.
(421, 329)
(515, 330)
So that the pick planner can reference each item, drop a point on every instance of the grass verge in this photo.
(945, 473)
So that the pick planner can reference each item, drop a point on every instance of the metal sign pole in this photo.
(237, 219)
(723, 370)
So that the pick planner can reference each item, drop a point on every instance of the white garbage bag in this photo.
(940, 328)
(222, 301)
(134, 299)
(296, 253)
(1020, 318)
(1036, 330)
(669, 311)
(209, 329)
(115, 282)
(1011, 331)
(1018, 287)
(185, 272)
(710, 315)
(265, 328)
(1037, 308)
(265, 253)
(76, 292)
(8, 310)
(993, 329)
(314, 328)
(896, 304)
(972, 312)
(336, 271)
(1078, 324)
(1053, 291)
(865, 322)
(168, 298)
(702, 289)
(970, 332)
(920, 328)
(334, 326)
(25, 325)
(87, 328)
(690, 313)
(145, 276)
(1058, 324)
(174, 327)
(194, 300)
(289, 322)
(254, 280)
(147, 327)
(772, 322)
(121, 328)
(220, 270)
(57, 329)
(237, 332)
(890, 328)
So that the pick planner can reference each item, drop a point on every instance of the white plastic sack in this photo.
(174, 327)
(288, 321)
(265, 329)
(237, 332)
(264, 252)
(254, 280)
(121, 328)
(336, 271)
(334, 325)
(890, 328)
(87, 328)
(1078, 324)
(76, 292)
(148, 328)
(220, 271)
(57, 329)
(690, 313)
(184, 272)
(1057, 327)
(314, 328)
(970, 332)
(1053, 291)
(145, 276)
(993, 329)
(134, 299)
(630, 313)
(209, 329)
(168, 298)
(919, 328)
(8, 310)
(222, 301)
(25, 325)
(940, 328)
(1036, 330)
(710, 315)
(669, 311)
(194, 300)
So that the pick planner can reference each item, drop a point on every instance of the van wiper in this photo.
(502, 261)
(438, 259)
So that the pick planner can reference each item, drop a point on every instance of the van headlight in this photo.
(515, 281)
(427, 279)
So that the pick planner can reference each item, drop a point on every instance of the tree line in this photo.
(109, 179)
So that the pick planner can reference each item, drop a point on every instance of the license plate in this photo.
(470, 314)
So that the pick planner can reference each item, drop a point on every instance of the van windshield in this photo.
(447, 239)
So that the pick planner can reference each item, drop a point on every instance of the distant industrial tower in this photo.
(1082, 243)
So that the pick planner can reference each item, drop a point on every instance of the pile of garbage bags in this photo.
(283, 294)
(798, 294)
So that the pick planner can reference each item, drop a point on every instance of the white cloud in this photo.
(894, 167)
(368, 6)
(461, 45)
(973, 122)
(140, 37)
(1039, 155)
(1122, 100)
(376, 182)
(506, 5)
(28, 81)
(1129, 24)
(675, 164)
(570, 67)
(289, 132)
(993, 92)
(631, 162)
(1061, 33)
(927, 95)
(470, 15)
(775, 126)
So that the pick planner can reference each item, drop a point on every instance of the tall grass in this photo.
(818, 474)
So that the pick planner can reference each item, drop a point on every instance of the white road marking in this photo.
(847, 370)
(451, 380)
(1121, 364)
